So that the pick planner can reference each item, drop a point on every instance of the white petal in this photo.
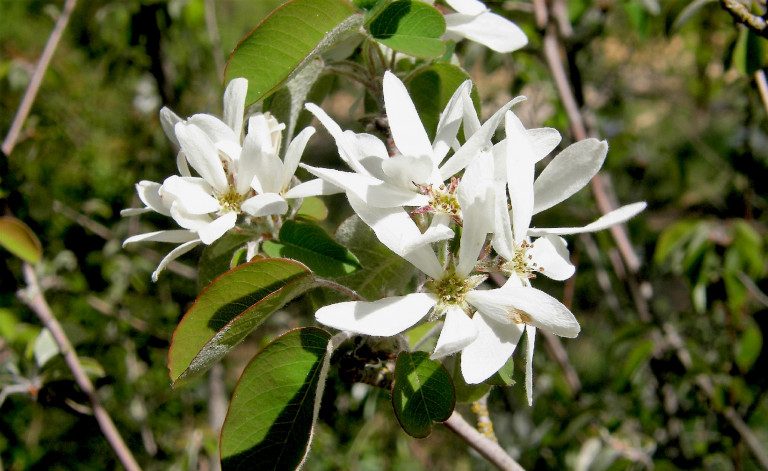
(405, 170)
(458, 332)
(475, 195)
(192, 194)
(189, 221)
(234, 105)
(202, 155)
(550, 254)
(395, 229)
(467, 7)
(385, 317)
(216, 130)
(127, 212)
(488, 29)
(530, 336)
(315, 187)
(470, 119)
(149, 195)
(174, 236)
(494, 345)
(369, 189)
(264, 205)
(439, 229)
(544, 141)
(524, 304)
(217, 228)
(182, 165)
(293, 155)
(173, 255)
(450, 120)
(503, 241)
(481, 140)
(569, 172)
(617, 216)
(168, 120)
(520, 170)
(404, 122)
(249, 164)
(348, 151)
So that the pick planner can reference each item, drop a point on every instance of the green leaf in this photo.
(749, 54)
(309, 244)
(503, 377)
(217, 257)
(313, 208)
(688, 12)
(19, 239)
(422, 393)
(384, 272)
(286, 40)
(229, 309)
(748, 348)
(410, 27)
(275, 404)
(466, 393)
(432, 86)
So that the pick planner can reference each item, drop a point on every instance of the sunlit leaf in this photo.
(217, 257)
(311, 245)
(313, 208)
(229, 309)
(19, 239)
(286, 40)
(275, 404)
(410, 27)
(748, 347)
(422, 393)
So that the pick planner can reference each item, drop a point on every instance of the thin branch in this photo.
(35, 300)
(740, 12)
(490, 449)
(762, 86)
(37, 78)
(340, 288)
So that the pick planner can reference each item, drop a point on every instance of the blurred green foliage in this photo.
(666, 356)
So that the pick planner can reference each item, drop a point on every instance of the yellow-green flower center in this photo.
(231, 201)
(522, 263)
(451, 290)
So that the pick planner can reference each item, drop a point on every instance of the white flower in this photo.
(472, 316)
(475, 22)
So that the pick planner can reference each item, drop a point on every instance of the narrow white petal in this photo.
(293, 155)
(475, 195)
(503, 241)
(173, 255)
(530, 336)
(569, 172)
(168, 120)
(439, 229)
(217, 228)
(450, 120)
(149, 195)
(521, 162)
(385, 317)
(617, 216)
(544, 141)
(526, 305)
(202, 155)
(248, 165)
(481, 140)
(174, 236)
(216, 130)
(471, 120)
(395, 229)
(315, 187)
(264, 205)
(404, 122)
(405, 170)
(458, 332)
(190, 193)
(234, 105)
(134, 211)
(550, 254)
(494, 345)
(467, 7)
(193, 222)
(348, 151)
(182, 164)
(488, 29)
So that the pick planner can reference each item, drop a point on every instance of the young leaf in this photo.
(275, 404)
(309, 244)
(19, 239)
(286, 40)
(422, 393)
(503, 377)
(313, 208)
(410, 27)
(432, 86)
(229, 309)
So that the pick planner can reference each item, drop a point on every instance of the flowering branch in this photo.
(35, 300)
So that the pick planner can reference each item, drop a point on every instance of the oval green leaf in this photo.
(275, 404)
(286, 40)
(431, 88)
(313, 208)
(410, 27)
(422, 393)
(229, 309)
(217, 257)
(19, 239)
(311, 245)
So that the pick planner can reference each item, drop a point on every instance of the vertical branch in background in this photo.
(35, 300)
(37, 78)
(762, 86)
(213, 35)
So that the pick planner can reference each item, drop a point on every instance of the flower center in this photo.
(451, 290)
(231, 201)
(442, 199)
(522, 263)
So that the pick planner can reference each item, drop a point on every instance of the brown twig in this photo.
(37, 78)
(35, 300)
(740, 12)
(490, 449)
